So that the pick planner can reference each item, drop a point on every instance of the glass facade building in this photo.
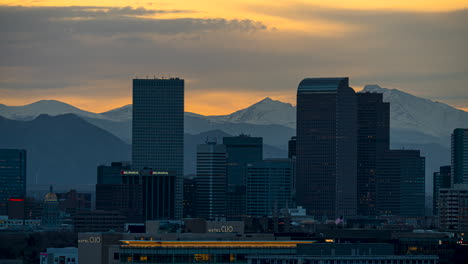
(12, 176)
(442, 179)
(400, 183)
(460, 156)
(269, 186)
(326, 148)
(158, 130)
(211, 180)
(373, 139)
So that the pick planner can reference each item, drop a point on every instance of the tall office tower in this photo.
(453, 207)
(159, 195)
(373, 139)
(211, 180)
(442, 179)
(158, 130)
(12, 176)
(400, 183)
(269, 186)
(241, 150)
(460, 156)
(326, 147)
(120, 189)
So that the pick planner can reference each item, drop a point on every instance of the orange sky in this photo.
(205, 102)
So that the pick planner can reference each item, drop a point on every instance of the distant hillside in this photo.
(63, 149)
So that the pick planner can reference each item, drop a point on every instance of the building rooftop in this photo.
(213, 244)
(322, 85)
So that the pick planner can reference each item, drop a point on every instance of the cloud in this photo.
(94, 50)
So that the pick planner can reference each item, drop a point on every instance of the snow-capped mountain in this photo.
(49, 107)
(409, 112)
(265, 112)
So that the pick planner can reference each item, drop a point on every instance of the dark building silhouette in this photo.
(460, 156)
(373, 140)
(159, 197)
(400, 183)
(241, 150)
(73, 201)
(158, 135)
(120, 189)
(326, 147)
(12, 176)
(269, 187)
(190, 197)
(235, 202)
(211, 180)
(442, 179)
(292, 148)
(98, 221)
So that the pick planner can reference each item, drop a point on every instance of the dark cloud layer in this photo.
(60, 47)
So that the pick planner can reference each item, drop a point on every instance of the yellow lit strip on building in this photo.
(214, 244)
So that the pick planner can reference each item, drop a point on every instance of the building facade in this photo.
(269, 187)
(400, 183)
(373, 139)
(120, 189)
(326, 147)
(12, 176)
(453, 207)
(211, 180)
(442, 179)
(241, 150)
(460, 156)
(158, 131)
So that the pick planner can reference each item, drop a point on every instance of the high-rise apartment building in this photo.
(400, 183)
(158, 131)
(442, 179)
(372, 141)
(12, 176)
(326, 149)
(460, 156)
(269, 186)
(211, 180)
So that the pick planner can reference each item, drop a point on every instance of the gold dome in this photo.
(50, 197)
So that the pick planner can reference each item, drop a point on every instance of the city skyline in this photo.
(84, 53)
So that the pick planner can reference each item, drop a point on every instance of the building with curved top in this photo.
(51, 210)
(326, 147)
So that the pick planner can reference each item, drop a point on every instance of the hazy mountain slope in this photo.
(48, 107)
(409, 112)
(64, 149)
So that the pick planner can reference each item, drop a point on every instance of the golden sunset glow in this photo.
(283, 18)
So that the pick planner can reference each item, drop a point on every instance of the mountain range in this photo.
(415, 123)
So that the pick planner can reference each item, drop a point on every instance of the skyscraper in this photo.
(460, 156)
(12, 176)
(373, 139)
(269, 186)
(400, 183)
(158, 130)
(241, 150)
(326, 147)
(442, 179)
(211, 180)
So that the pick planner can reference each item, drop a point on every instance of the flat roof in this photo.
(213, 244)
